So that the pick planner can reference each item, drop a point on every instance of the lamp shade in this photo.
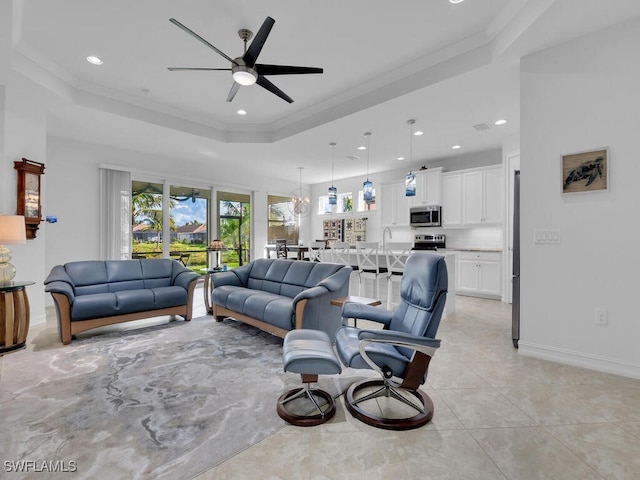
(216, 245)
(12, 230)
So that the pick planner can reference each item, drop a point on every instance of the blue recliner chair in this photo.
(402, 350)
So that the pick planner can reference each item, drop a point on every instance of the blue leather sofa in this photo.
(94, 293)
(278, 295)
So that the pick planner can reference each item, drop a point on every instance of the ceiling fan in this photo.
(245, 70)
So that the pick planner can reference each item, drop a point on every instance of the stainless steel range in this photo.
(429, 241)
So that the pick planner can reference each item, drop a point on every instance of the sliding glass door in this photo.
(182, 235)
(235, 228)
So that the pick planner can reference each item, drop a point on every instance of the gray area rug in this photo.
(165, 401)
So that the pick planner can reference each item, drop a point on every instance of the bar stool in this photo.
(368, 263)
(396, 254)
(340, 253)
(316, 251)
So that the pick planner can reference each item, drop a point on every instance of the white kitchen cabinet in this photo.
(394, 206)
(479, 274)
(452, 200)
(428, 187)
(482, 196)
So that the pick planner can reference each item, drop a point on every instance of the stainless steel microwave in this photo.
(426, 216)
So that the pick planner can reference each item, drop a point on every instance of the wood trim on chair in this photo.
(414, 374)
(219, 311)
(300, 312)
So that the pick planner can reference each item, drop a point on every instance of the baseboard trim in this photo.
(579, 359)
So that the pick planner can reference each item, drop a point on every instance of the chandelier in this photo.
(300, 199)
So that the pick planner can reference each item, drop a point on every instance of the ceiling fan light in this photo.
(244, 75)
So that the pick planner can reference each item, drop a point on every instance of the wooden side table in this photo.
(339, 302)
(14, 316)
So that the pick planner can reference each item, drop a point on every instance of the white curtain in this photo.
(115, 214)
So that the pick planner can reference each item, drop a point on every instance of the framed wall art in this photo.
(585, 171)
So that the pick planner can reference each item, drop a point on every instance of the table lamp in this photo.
(217, 246)
(12, 232)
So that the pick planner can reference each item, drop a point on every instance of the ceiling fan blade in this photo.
(252, 53)
(179, 69)
(198, 37)
(266, 84)
(232, 93)
(264, 69)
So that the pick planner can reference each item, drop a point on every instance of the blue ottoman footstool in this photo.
(309, 353)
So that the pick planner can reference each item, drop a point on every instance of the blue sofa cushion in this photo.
(165, 297)
(221, 294)
(93, 306)
(273, 309)
(130, 301)
(119, 271)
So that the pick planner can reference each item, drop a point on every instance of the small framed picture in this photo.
(585, 171)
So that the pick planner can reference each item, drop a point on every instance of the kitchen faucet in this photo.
(384, 237)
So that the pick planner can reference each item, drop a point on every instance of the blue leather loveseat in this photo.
(93, 293)
(278, 295)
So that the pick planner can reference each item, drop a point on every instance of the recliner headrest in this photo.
(424, 278)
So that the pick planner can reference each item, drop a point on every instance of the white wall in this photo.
(73, 166)
(580, 96)
(23, 135)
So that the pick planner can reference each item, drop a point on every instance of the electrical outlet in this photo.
(546, 236)
(602, 317)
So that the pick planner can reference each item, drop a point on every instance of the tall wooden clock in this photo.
(29, 194)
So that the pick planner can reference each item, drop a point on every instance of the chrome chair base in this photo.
(424, 407)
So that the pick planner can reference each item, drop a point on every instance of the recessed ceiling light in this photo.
(500, 122)
(362, 147)
(94, 60)
(455, 147)
(456, 1)
(417, 133)
(400, 158)
(242, 112)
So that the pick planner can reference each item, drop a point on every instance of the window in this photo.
(366, 206)
(281, 220)
(187, 208)
(344, 205)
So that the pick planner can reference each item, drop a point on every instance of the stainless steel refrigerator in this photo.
(515, 305)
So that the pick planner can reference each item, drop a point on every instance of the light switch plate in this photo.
(546, 236)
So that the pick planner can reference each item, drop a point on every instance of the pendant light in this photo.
(410, 179)
(367, 186)
(333, 191)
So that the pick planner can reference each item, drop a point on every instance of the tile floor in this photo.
(497, 416)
